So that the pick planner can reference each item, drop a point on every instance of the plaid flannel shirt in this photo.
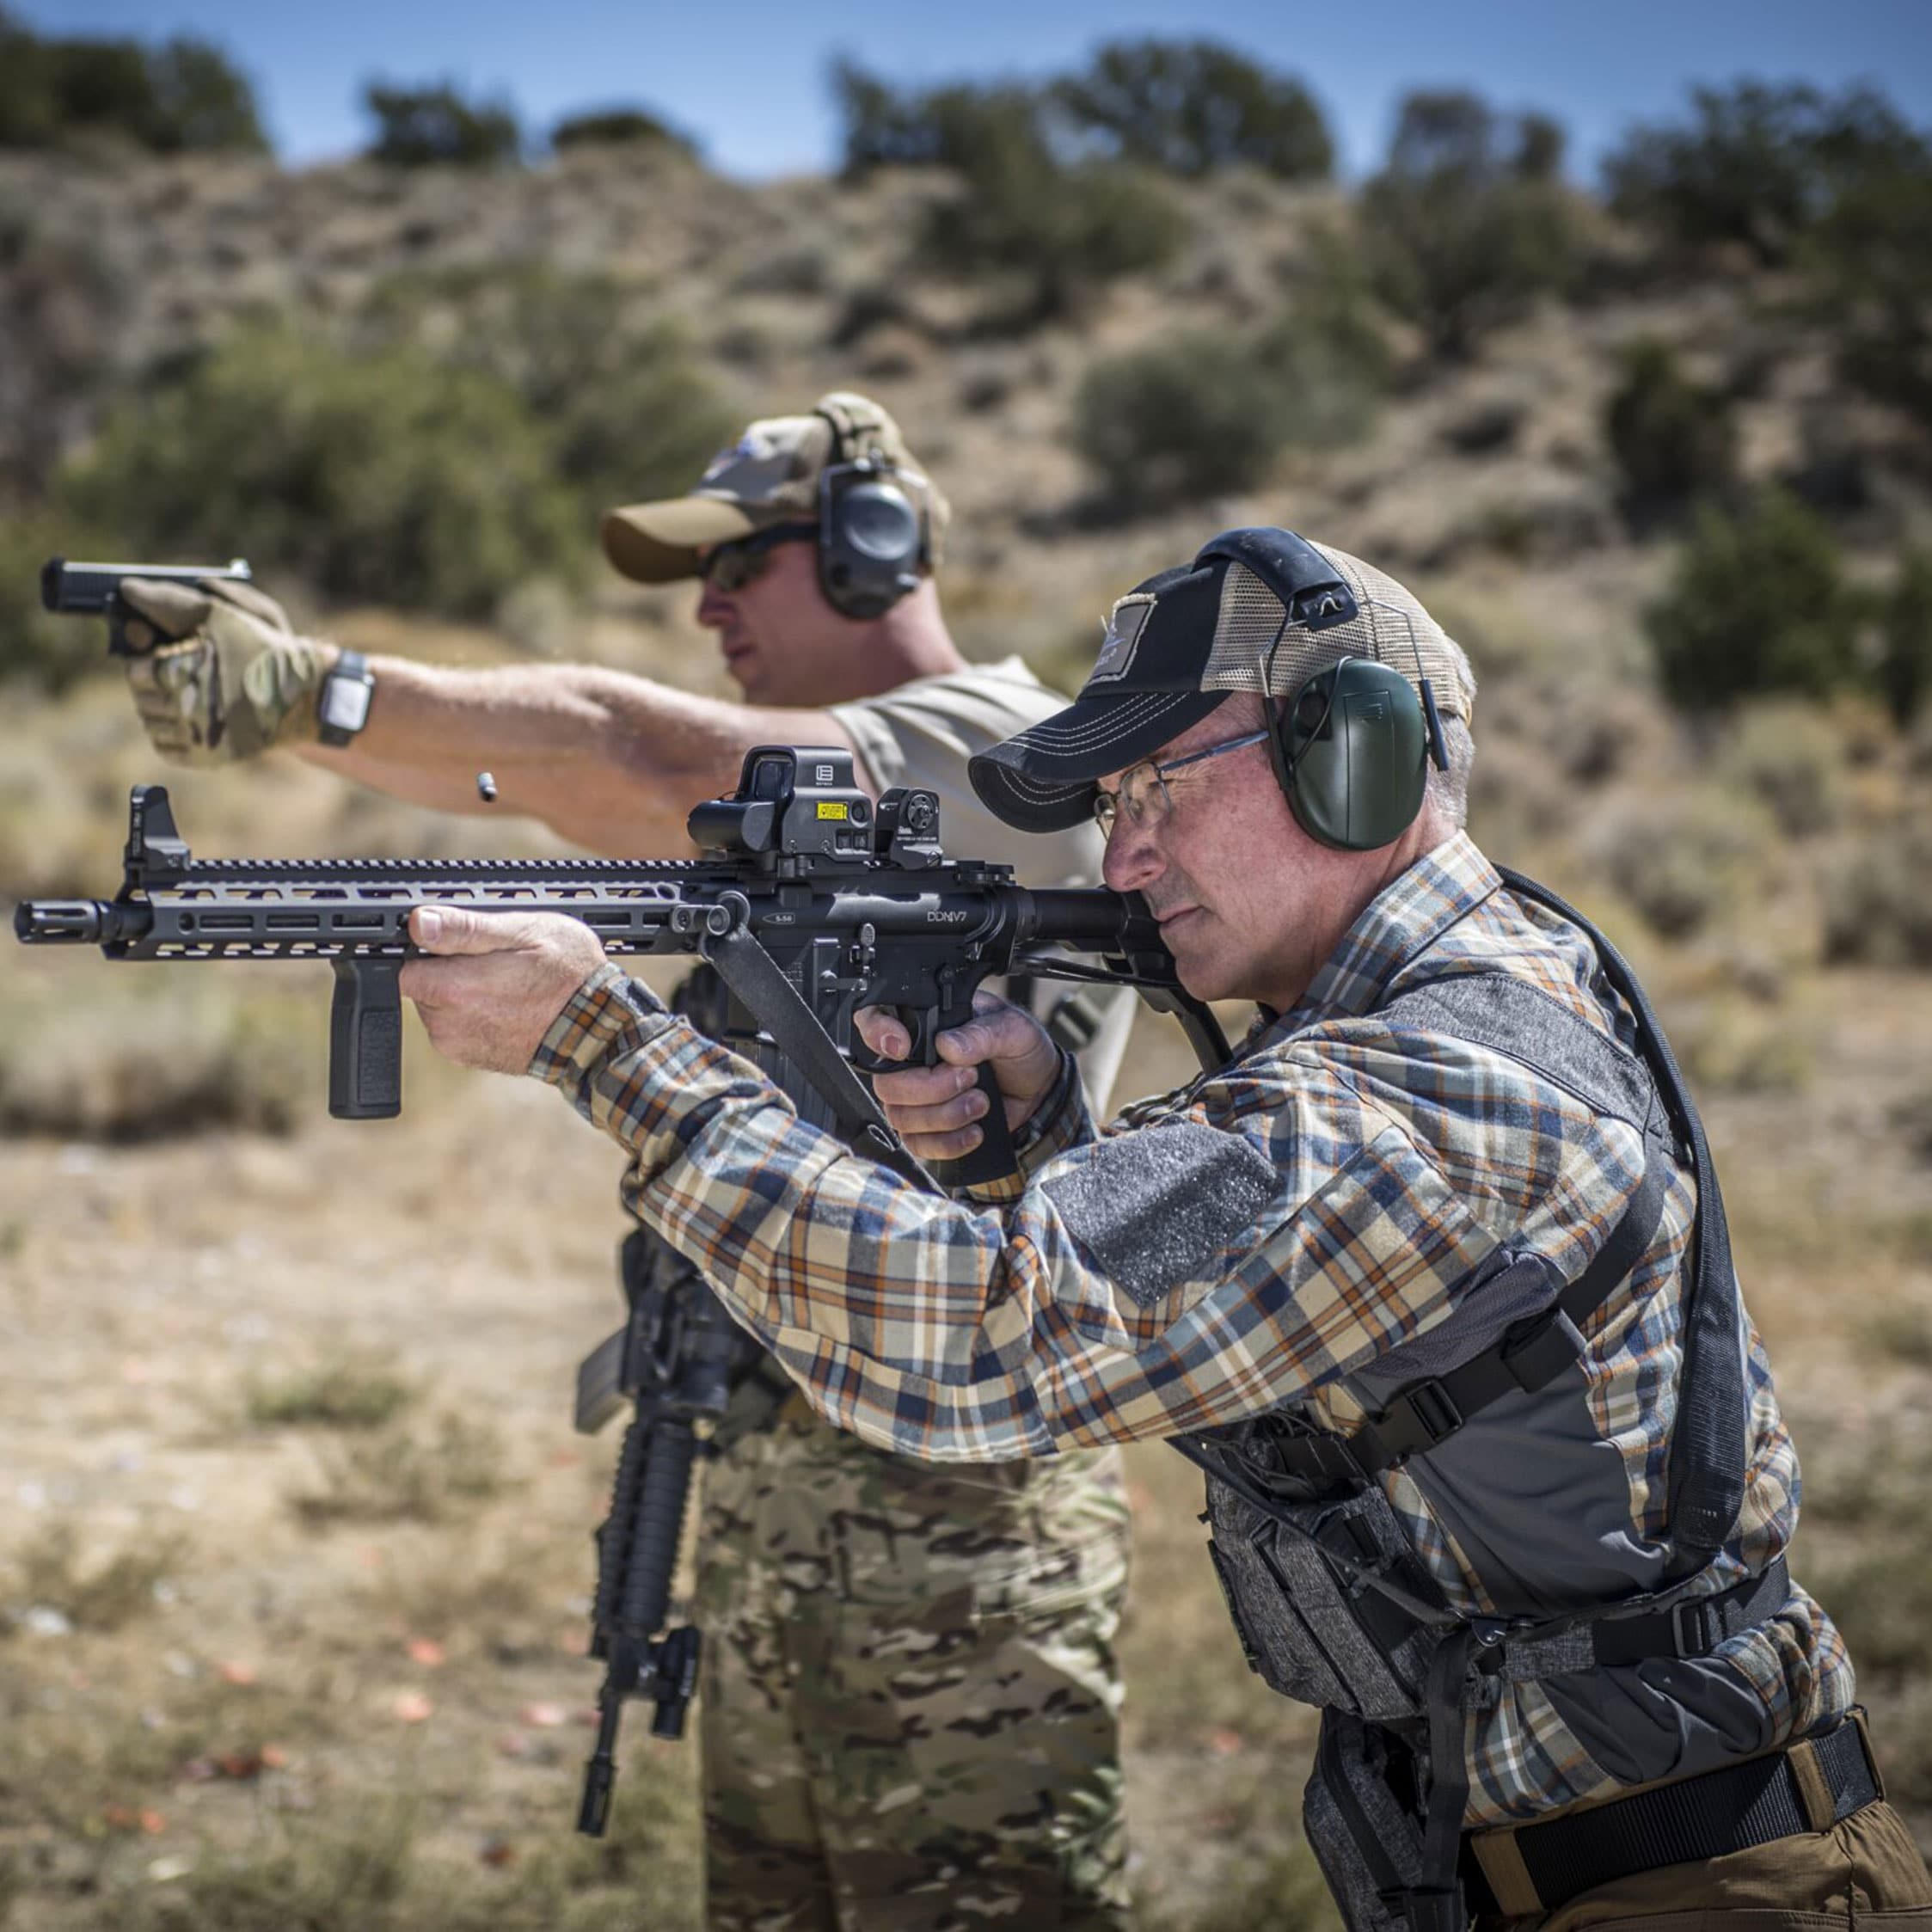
(983, 1328)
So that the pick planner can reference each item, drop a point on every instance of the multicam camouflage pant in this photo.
(910, 1703)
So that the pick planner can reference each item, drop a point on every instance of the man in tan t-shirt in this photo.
(910, 1703)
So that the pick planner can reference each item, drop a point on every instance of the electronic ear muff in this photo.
(872, 538)
(1351, 751)
(1351, 748)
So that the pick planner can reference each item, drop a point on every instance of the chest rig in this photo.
(1332, 1601)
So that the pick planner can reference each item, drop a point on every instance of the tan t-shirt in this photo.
(922, 733)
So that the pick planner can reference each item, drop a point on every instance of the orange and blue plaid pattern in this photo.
(980, 1329)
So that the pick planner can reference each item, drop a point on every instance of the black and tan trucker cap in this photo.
(769, 476)
(1178, 644)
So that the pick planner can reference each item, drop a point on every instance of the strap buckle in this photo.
(1412, 1422)
(1434, 1409)
(1696, 1628)
(1537, 1350)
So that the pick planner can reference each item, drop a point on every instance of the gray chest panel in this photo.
(1536, 1499)
(1520, 1021)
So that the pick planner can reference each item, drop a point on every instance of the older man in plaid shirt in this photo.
(1432, 1276)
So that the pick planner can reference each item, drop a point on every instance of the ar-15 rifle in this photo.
(813, 905)
(674, 1360)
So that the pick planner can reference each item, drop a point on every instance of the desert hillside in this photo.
(294, 1533)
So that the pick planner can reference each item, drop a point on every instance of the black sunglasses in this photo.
(730, 566)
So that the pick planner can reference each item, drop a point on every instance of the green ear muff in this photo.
(1350, 753)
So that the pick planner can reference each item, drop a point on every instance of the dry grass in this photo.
(399, 1474)
(50, 1577)
(344, 1388)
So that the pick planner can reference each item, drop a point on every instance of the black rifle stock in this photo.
(93, 589)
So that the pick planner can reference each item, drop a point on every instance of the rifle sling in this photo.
(756, 977)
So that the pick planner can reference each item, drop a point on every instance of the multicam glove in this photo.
(217, 673)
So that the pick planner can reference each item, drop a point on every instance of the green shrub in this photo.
(1279, 1889)
(1760, 164)
(1673, 438)
(1733, 1044)
(421, 127)
(979, 129)
(1064, 228)
(1195, 415)
(1207, 411)
(343, 1389)
(622, 128)
(185, 94)
(63, 303)
(1468, 221)
(883, 126)
(1872, 276)
(1878, 1601)
(1879, 903)
(1789, 755)
(1684, 865)
(1758, 603)
(104, 1595)
(626, 409)
(201, 101)
(348, 1874)
(1905, 669)
(1326, 349)
(1905, 1333)
(155, 1062)
(36, 647)
(386, 476)
(395, 1475)
(1192, 107)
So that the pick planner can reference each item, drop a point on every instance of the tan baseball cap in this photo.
(769, 476)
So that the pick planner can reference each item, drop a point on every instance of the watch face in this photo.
(345, 703)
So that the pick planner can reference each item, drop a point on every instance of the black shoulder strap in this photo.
(1708, 1443)
(752, 972)
(1707, 1468)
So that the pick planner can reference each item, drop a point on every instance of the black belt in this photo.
(1809, 1786)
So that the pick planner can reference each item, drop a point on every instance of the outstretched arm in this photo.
(604, 758)
(607, 759)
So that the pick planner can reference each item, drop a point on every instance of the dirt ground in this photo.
(300, 1532)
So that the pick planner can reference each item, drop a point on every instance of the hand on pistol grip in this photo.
(983, 1076)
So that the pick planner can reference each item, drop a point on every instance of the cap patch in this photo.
(1125, 624)
(753, 467)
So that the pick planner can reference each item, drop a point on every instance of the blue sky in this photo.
(749, 78)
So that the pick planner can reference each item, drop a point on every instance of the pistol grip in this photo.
(118, 645)
(366, 1040)
(994, 1158)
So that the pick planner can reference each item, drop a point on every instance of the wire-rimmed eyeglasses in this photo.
(1143, 787)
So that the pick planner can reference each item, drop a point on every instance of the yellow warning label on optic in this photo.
(829, 808)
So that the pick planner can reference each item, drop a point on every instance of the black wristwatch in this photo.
(342, 705)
